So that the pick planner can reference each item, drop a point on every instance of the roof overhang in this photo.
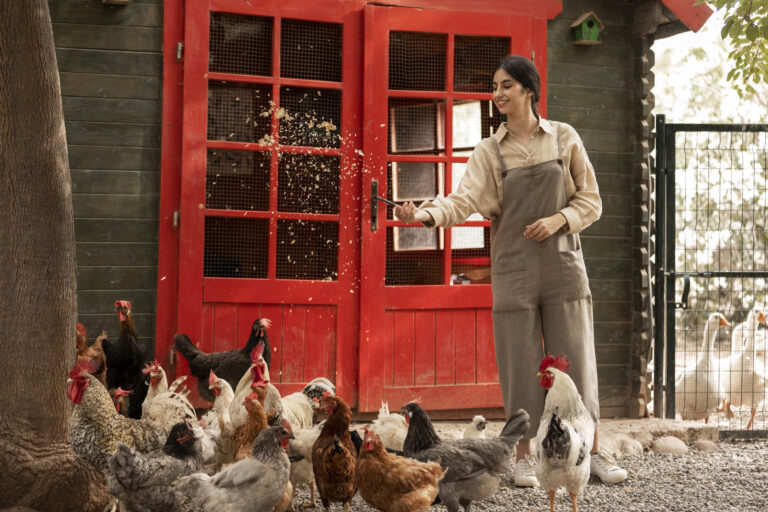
(692, 16)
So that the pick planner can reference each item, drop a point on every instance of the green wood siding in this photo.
(591, 88)
(110, 64)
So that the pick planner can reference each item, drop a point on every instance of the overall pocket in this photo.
(510, 290)
(575, 284)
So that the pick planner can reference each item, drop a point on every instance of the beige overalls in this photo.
(539, 289)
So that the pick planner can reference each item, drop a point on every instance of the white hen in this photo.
(391, 428)
(300, 454)
(566, 434)
(476, 428)
(698, 390)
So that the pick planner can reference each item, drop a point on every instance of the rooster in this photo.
(255, 484)
(118, 398)
(96, 427)
(257, 375)
(144, 482)
(391, 428)
(391, 483)
(95, 352)
(229, 366)
(566, 433)
(126, 360)
(333, 455)
(473, 467)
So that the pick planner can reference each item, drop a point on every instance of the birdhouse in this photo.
(586, 29)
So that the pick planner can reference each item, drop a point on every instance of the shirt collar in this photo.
(543, 125)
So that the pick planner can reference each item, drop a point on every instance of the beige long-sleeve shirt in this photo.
(480, 190)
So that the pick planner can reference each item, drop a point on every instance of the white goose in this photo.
(697, 390)
(745, 382)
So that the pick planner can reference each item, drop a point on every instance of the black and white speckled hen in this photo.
(229, 366)
(144, 482)
(473, 467)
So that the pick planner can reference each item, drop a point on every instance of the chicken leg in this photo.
(751, 418)
(552, 501)
(575, 501)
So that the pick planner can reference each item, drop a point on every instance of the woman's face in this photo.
(509, 95)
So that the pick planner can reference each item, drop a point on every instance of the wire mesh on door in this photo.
(712, 264)
(429, 140)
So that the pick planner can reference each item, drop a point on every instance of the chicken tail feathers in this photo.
(557, 442)
(183, 344)
(517, 425)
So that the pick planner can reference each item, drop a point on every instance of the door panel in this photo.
(270, 174)
(426, 328)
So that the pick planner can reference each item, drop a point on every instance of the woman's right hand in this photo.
(409, 214)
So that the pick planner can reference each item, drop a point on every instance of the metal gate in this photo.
(710, 348)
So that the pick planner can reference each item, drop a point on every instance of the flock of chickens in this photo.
(254, 447)
(715, 384)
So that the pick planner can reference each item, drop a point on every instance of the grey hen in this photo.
(254, 485)
(473, 467)
(144, 482)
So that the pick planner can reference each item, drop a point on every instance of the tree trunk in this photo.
(37, 282)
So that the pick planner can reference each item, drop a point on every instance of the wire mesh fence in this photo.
(714, 259)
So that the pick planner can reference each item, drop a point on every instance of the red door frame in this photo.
(172, 248)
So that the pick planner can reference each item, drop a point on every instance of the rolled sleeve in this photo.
(585, 206)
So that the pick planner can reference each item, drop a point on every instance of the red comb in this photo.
(84, 365)
(211, 378)
(286, 425)
(152, 366)
(559, 362)
(122, 304)
(265, 322)
(122, 392)
(257, 352)
(327, 394)
(80, 329)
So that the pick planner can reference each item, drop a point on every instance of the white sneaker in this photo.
(604, 467)
(525, 476)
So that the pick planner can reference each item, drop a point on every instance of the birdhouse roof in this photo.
(584, 17)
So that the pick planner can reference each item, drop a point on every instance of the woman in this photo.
(534, 180)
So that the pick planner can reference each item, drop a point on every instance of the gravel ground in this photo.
(734, 477)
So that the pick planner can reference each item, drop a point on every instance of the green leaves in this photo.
(746, 24)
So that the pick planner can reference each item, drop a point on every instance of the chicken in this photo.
(95, 352)
(126, 360)
(96, 428)
(473, 467)
(229, 366)
(300, 453)
(255, 484)
(476, 429)
(391, 483)
(698, 390)
(219, 429)
(118, 398)
(169, 407)
(299, 408)
(246, 434)
(745, 381)
(144, 482)
(391, 428)
(566, 433)
(158, 384)
(258, 374)
(333, 455)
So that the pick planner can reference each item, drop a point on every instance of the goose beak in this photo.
(761, 318)
(724, 322)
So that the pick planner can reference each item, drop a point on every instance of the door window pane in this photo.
(417, 61)
(474, 60)
(416, 126)
(239, 112)
(307, 250)
(308, 183)
(415, 181)
(237, 180)
(310, 50)
(235, 247)
(309, 117)
(240, 44)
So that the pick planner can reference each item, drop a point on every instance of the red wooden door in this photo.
(270, 181)
(426, 327)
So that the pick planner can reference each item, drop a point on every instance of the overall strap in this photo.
(498, 152)
(559, 145)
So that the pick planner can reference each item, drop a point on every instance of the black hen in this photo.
(229, 366)
(126, 360)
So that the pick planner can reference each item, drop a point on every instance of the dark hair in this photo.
(525, 72)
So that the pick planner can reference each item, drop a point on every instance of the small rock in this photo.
(704, 445)
(631, 446)
(669, 445)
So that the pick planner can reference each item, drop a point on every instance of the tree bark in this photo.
(37, 281)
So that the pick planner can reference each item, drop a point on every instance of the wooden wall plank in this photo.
(111, 110)
(424, 349)
(274, 312)
(608, 269)
(606, 247)
(613, 289)
(113, 134)
(445, 348)
(116, 278)
(225, 327)
(487, 370)
(110, 63)
(590, 118)
(465, 325)
(612, 311)
(609, 225)
(320, 342)
(108, 37)
(143, 301)
(403, 345)
(132, 15)
(613, 333)
(567, 95)
(105, 182)
(294, 334)
(130, 254)
(106, 320)
(103, 206)
(114, 230)
(95, 85)
(114, 158)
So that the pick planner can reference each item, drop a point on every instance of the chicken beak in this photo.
(539, 374)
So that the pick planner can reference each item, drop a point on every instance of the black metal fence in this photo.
(711, 264)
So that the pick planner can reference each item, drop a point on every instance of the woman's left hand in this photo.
(544, 228)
